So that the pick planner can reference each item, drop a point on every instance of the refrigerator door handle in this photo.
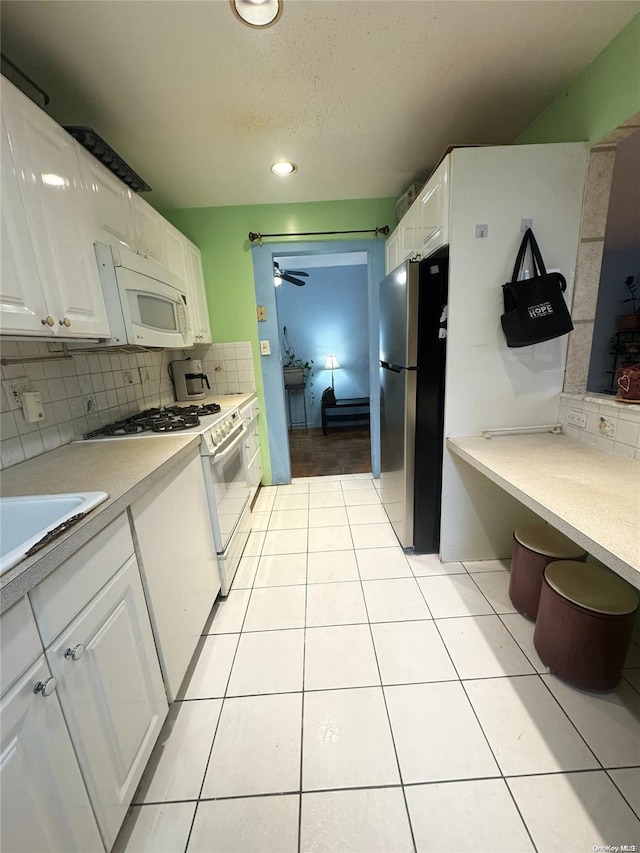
(394, 367)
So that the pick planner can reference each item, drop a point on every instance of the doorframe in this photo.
(268, 330)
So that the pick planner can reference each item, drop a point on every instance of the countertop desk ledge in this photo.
(591, 496)
(124, 469)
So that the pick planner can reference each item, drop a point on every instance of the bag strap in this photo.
(538, 263)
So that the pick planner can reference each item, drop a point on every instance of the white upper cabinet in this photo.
(432, 211)
(45, 165)
(109, 202)
(392, 250)
(148, 228)
(197, 295)
(175, 255)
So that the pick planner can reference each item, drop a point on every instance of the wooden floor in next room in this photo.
(341, 451)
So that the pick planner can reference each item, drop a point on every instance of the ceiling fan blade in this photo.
(286, 277)
(298, 272)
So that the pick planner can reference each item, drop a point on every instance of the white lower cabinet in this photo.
(44, 802)
(93, 621)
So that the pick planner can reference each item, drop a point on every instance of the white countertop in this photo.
(591, 496)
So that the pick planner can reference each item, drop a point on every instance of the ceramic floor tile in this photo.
(178, 762)
(474, 566)
(411, 652)
(335, 604)
(245, 573)
(366, 820)
(394, 600)
(351, 484)
(272, 608)
(209, 670)
(521, 629)
(260, 520)
(341, 656)
(160, 828)
(347, 740)
(574, 812)
(495, 588)
(283, 502)
(436, 733)
(228, 613)
(329, 566)
(527, 730)
(425, 565)
(366, 514)
(264, 501)
(379, 563)
(281, 570)
(253, 548)
(319, 500)
(333, 516)
(246, 825)
(481, 647)
(609, 722)
(628, 781)
(330, 538)
(466, 817)
(373, 536)
(285, 542)
(257, 747)
(361, 497)
(297, 488)
(456, 595)
(268, 662)
(325, 484)
(288, 519)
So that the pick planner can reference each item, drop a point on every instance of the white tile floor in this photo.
(346, 697)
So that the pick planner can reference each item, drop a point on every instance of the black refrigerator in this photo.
(413, 345)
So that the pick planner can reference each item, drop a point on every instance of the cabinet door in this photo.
(392, 250)
(432, 207)
(148, 228)
(57, 211)
(410, 243)
(175, 257)
(112, 695)
(22, 304)
(198, 295)
(45, 806)
(108, 200)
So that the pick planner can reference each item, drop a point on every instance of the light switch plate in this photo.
(265, 348)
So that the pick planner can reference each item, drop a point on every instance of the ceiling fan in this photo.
(289, 275)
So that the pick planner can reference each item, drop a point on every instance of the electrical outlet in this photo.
(578, 419)
(90, 405)
(13, 388)
(127, 377)
(145, 376)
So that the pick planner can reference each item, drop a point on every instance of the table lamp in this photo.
(331, 363)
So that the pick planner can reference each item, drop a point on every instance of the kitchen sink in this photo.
(26, 520)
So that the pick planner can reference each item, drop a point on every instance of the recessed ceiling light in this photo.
(257, 13)
(284, 168)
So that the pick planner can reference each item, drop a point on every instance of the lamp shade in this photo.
(331, 363)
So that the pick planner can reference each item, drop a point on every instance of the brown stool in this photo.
(584, 624)
(534, 547)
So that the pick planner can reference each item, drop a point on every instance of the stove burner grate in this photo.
(169, 419)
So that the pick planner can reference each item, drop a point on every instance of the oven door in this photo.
(227, 487)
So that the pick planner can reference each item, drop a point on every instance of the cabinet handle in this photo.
(47, 321)
(75, 653)
(45, 687)
(65, 322)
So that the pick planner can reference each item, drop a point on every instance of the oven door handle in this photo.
(220, 457)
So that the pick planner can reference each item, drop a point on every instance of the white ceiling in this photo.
(364, 95)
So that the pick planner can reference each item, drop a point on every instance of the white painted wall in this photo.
(488, 384)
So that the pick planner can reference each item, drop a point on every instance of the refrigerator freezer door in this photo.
(398, 316)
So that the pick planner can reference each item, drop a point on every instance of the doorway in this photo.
(337, 309)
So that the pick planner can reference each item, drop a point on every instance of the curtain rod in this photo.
(384, 229)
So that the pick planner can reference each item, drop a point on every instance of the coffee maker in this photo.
(188, 380)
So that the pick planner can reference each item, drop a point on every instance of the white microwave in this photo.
(146, 304)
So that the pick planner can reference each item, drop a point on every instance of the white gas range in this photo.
(222, 432)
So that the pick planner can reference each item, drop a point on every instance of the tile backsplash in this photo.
(601, 421)
(95, 388)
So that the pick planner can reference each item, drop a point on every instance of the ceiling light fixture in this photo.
(284, 168)
(257, 13)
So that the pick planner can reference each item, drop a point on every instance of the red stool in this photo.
(534, 547)
(584, 624)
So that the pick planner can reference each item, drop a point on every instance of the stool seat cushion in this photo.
(591, 587)
(546, 540)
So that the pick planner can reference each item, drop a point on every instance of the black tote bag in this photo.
(534, 308)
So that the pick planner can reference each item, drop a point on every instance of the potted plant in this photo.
(296, 370)
(630, 321)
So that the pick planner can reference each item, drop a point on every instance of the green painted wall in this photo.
(222, 236)
(601, 98)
